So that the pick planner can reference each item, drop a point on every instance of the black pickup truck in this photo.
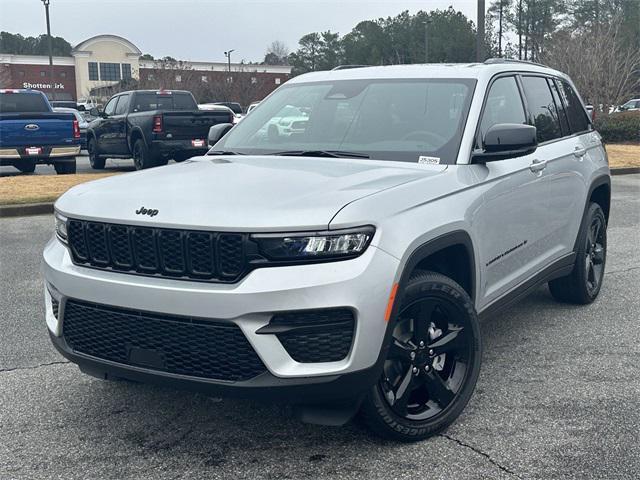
(152, 127)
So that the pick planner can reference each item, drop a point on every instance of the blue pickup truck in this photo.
(32, 133)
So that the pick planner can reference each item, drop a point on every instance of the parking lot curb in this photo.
(25, 209)
(625, 170)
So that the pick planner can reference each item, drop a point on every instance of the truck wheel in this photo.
(432, 364)
(142, 157)
(66, 167)
(181, 157)
(95, 161)
(583, 284)
(26, 166)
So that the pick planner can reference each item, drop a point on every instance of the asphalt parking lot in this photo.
(558, 396)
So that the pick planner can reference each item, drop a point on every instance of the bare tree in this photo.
(5, 76)
(604, 67)
(277, 53)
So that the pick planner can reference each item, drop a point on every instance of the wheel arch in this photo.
(600, 193)
(136, 134)
(450, 254)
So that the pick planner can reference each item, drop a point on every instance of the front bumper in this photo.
(362, 285)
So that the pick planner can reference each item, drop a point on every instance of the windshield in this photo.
(399, 120)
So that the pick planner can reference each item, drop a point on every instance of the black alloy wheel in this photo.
(583, 284)
(594, 255)
(432, 363)
(95, 161)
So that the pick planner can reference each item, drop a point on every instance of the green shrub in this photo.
(619, 127)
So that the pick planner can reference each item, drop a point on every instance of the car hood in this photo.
(239, 193)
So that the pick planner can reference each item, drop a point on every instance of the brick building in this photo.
(104, 64)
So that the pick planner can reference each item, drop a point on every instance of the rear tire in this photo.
(66, 167)
(142, 157)
(26, 166)
(583, 284)
(425, 384)
(95, 161)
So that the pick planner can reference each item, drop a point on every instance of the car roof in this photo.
(431, 70)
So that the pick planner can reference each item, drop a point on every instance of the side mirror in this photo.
(94, 112)
(216, 132)
(506, 140)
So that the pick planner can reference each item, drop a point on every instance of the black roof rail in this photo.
(347, 67)
(492, 61)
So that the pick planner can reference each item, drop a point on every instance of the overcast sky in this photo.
(204, 29)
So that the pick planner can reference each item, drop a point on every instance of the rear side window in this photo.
(503, 105)
(22, 102)
(542, 108)
(577, 116)
(562, 114)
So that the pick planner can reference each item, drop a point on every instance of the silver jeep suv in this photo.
(343, 267)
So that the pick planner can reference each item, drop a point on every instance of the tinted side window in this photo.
(577, 116)
(562, 114)
(123, 104)
(542, 108)
(503, 105)
(111, 106)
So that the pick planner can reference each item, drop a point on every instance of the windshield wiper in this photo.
(320, 153)
(223, 152)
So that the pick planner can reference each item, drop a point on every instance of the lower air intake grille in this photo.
(316, 335)
(182, 345)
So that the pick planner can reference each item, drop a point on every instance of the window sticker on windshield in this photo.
(429, 160)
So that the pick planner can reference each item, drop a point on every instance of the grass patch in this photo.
(21, 189)
(623, 155)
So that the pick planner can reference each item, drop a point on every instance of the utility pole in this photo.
(480, 38)
(52, 79)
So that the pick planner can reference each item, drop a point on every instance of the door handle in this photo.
(579, 151)
(538, 165)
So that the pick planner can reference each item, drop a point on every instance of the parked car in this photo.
(152, 127)
(32, 133)
(63, 104)
(82, 124)
(252, 106)
(86, 104)
(344, 269)
(631, 105)
(235, 107)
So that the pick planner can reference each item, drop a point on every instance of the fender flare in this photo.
(597, 182)
(135, 131)
(455, 237)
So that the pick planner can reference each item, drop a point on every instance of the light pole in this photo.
(426, 40)
(53, 83)
(228, 55)
(480, 38)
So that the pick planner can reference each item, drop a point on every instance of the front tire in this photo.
(583, 284)
(432, 364)
(95, 161)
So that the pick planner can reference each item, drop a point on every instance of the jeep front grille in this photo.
(183, 254)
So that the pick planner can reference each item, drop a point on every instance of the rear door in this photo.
(571, 170)
(511, 223)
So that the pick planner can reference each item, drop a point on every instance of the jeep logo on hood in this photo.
(146, 211)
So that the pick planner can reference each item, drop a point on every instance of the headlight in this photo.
(315, 245)
(61, 227)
